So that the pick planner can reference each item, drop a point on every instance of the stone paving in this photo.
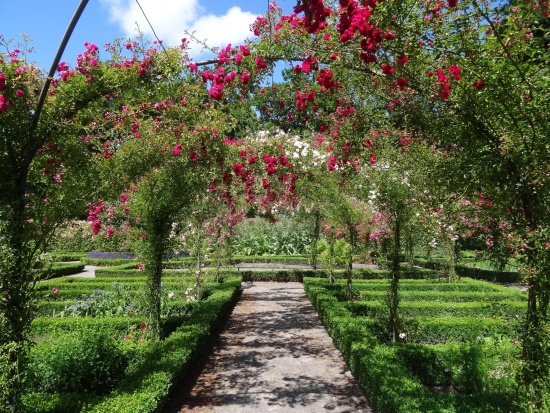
(274, 355)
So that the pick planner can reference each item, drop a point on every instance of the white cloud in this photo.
(170, 19)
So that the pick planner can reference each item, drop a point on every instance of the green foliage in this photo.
(157, 367)
(340, 254)
(153, 367)
(287, 236)
(83, 361)
(118, 301)
(474, 373)
(469, 269)
(77, 236)
(65, 268)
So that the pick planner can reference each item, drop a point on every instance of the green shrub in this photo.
(471, 271)
(83, 361)
(77, 237)
(157, 367)
(67, 256)
(62, 269)
(285, 237)
(504, 309)
(340, 255)
(476, 375)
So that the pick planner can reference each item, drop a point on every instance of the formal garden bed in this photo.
(457, 349)
(92, 352)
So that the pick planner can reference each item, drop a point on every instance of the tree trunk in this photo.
(331, 258)
(451, 263)
(156, 245)
(535, 369)
(394, 285)
(536, 360)
(349, 273)
(17, 279)
(316, 233)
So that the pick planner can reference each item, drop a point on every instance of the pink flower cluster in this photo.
(259, 24)
(355, 18)
(93, 216)
(89, 59)
(315, 13)
(219, 80)
(4, 104)
(443, 81)
(303, 99)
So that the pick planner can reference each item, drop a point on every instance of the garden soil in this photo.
(273, 355)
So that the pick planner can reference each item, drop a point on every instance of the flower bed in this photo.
(151, 368)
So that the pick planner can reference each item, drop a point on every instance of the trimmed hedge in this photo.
(507, 309)
(147, 386)
(47, 326)
(184, 262)
(108, 262)
(472, 272)
(439, 296)
(441, 285)
(58, 295)
(155, 367)
(67, 256)
(403, 378)
(62, 269)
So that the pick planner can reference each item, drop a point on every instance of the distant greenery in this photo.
(287, 236)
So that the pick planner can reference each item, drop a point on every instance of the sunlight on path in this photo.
(274, 355)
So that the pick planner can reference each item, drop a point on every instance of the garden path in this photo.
(274, 355)
(89, 272)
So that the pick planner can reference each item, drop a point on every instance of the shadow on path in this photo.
(274, 355)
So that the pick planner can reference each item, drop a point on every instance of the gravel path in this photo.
(274, 355)
(89, 272)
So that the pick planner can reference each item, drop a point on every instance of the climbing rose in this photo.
(177, 150)
(455, 70)
(260, 63)
(478, 84)
(3, 104)
(387, 69)
(245, 50)
(373, 158)
(444, 92)
(245, 77)
(216, 92)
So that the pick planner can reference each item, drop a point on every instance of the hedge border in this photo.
(389, 385)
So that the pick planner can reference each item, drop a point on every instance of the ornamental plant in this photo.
(44, 174)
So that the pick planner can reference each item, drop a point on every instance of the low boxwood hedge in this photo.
(506, 309)
(67, 256)
(472, 272)
(155, 367)
(408, 378)
(60, 269)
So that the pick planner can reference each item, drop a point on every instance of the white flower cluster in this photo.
(191, 294)
(303, 150)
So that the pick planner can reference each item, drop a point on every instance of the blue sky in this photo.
(219, 21)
